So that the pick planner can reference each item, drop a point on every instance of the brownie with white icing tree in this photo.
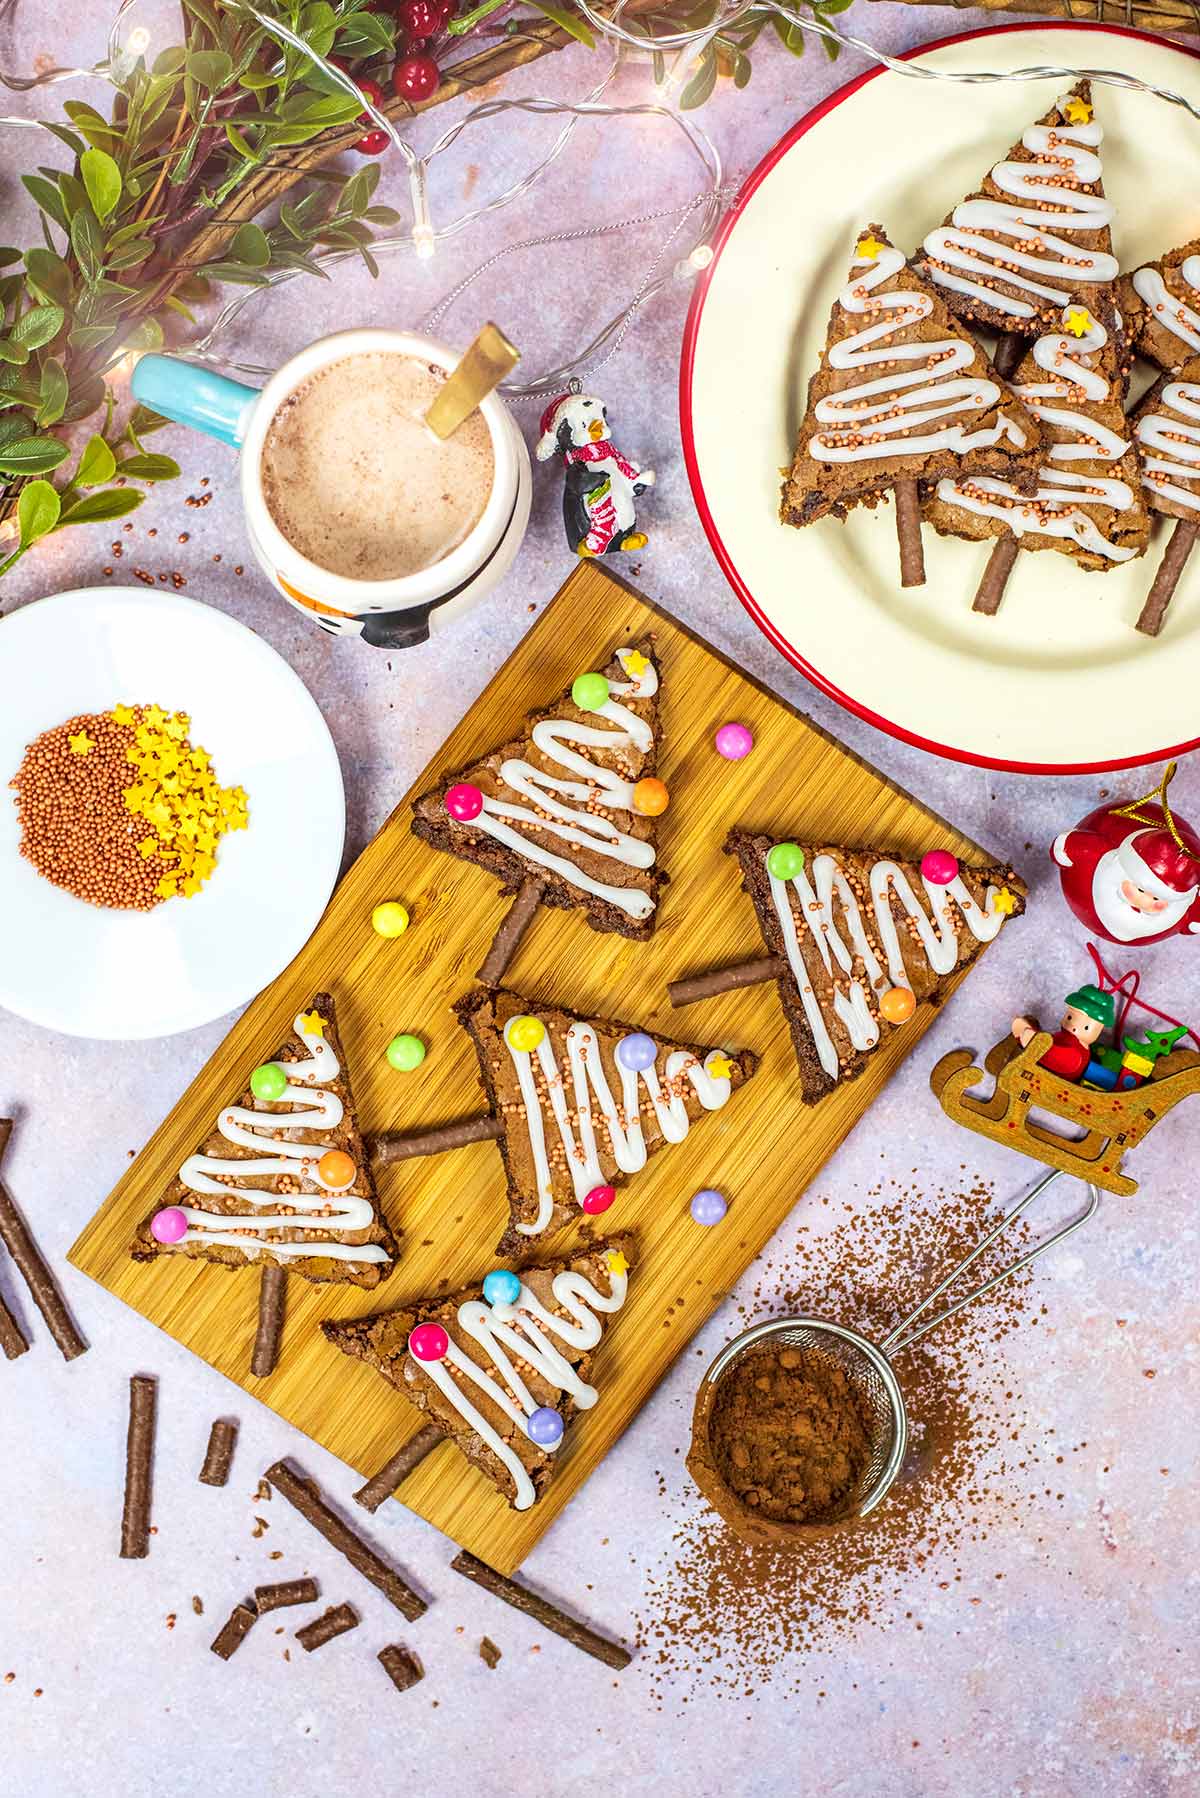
(1160, 302)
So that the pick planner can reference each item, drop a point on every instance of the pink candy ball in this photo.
(464, 802)
(734, 741)
(428, 1342)
(598, 1200)
(939, 867)
(168, 1226)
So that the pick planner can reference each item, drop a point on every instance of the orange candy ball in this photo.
(336, 1168)
(897, 1005)
(650, 797)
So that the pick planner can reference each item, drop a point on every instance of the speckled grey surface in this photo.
(1079, 1673)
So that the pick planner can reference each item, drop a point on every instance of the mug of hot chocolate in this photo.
(360, 515)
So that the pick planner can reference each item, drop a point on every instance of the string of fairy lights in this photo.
(690, 225)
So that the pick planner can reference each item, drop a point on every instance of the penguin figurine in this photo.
(601, 486)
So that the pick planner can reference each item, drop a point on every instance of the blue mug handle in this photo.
(193, 395)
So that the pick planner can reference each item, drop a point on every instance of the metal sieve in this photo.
(869, 1365)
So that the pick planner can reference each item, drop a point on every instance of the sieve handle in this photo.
(903, 1336)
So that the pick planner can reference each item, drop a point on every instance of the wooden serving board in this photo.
(761, 1150)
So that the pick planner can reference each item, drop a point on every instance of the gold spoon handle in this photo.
(482, 369)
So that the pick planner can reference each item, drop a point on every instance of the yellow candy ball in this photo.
(524, 1033)
(389, 919)
(897, 1005)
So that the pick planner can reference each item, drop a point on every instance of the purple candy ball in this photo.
(637, 1052)
(545, 1427)
(168, 1226)
(734, 741)
(708, 1206)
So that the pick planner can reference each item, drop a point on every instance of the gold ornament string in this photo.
(1134, 813)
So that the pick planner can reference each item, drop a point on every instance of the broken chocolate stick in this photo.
(401, 1666)
(508, 938)
(1179, 548)
(726, 980)
(139, 1459)
(990, 591)
(272, 1298)
(235, 1629)
(304, 1495)
(335, 1622)
(394, 1472)
(14, 1233)
(12, 1340)
(390, 1146)
(541, 1610)
(218, 1457)
(284, 1593)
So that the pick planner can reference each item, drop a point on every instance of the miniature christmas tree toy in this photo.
(575, 1104)
(1131, 872)
(1160, 303)
(601, 485)
(857, 939)
(282, 1180)
(566, 814)
(1167, 428)
(503, 1367)
(903, 395)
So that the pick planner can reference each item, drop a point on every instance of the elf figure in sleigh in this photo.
(601, 486)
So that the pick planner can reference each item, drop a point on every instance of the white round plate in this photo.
(1059, 680)
(118, 975)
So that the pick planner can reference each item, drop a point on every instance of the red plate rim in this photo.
(687, 363)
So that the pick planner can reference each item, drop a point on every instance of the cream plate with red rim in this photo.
(1058, 680)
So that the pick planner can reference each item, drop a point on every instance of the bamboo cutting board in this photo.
(761, 1150)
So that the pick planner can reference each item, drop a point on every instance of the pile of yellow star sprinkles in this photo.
(121, 809)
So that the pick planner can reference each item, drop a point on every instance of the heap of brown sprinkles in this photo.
(721, 1619)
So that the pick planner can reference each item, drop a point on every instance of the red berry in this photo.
(420, 18)
(374, 94)
(373, 144)
(416, 77)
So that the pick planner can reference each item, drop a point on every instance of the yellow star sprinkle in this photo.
(312, 1024)
(122, 714)
(617, 1263)
(1078, 320)
(155, 717)
(167, 887)
(636, 663)
(81, 744)
(1077, 111)
(1004, 902)
(867, 248)
(720, 1067)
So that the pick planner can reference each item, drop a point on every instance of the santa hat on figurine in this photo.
(1132, 872)
(581, 415)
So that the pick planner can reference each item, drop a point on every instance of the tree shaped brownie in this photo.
(282, 1180)
(502, 1367)
(565, 814)
(1161, 305)
(903, 396)
(1167, 428)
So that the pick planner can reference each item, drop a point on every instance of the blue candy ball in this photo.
(637, 1052)
(545, 1427)
(708, 1206)
(501, 1287)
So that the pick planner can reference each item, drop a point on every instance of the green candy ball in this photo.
(405, 1053)
(589, 691)
(785, 861)
(268, 1083)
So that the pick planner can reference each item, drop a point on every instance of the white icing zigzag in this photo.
(622, 1124)
(1176, 441)
(252, 1130)
(558, 804)
(850, 997)
(874, 417)
(1001, 241)
(517, 1333)
(1172, 314)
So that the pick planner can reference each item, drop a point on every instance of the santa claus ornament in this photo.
(601, 484)
(1131, 872)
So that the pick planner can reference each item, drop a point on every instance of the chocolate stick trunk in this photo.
(139, 1467)
(532, 1604)
(11, 1340)
(1150, 619)
(394, 1472)
(508, 938)
(14, 1234)
(995, 575)
(726, 980)
(390, 1147)
(272, 1298)
(1010, 348)
(908, 530)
